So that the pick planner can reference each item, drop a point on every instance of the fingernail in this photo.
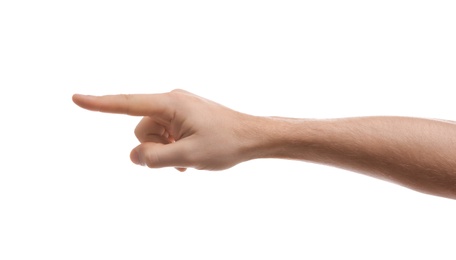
(135, 158)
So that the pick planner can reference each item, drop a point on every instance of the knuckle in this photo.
(127, 97)
(174, 94)
(178, 90)
(179, 94)
(127, 100)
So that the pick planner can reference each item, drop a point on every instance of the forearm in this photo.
(416, 153)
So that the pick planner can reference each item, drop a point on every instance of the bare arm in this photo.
(413, 152)
(182, 130)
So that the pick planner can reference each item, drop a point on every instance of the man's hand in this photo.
(180, 129)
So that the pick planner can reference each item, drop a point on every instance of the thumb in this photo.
(157, 155)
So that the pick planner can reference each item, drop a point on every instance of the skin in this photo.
(181, 130)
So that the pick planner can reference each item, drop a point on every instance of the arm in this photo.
(413, 152)
(182, 130)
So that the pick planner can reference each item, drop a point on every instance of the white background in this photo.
(69, 191)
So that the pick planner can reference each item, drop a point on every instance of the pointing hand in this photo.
(180, 129)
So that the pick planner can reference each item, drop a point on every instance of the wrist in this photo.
(276, 137)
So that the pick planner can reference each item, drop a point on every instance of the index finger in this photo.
(129, 104)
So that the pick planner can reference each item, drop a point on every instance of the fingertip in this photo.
(135, 158)
(75, 97)
(78, 98)
(88, 102)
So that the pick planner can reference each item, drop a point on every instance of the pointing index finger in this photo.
(129, 104)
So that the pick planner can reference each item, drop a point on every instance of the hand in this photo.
(180, 129)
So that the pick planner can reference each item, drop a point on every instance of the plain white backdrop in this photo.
(69, 191)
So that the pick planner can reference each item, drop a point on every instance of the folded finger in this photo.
(148, 127)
